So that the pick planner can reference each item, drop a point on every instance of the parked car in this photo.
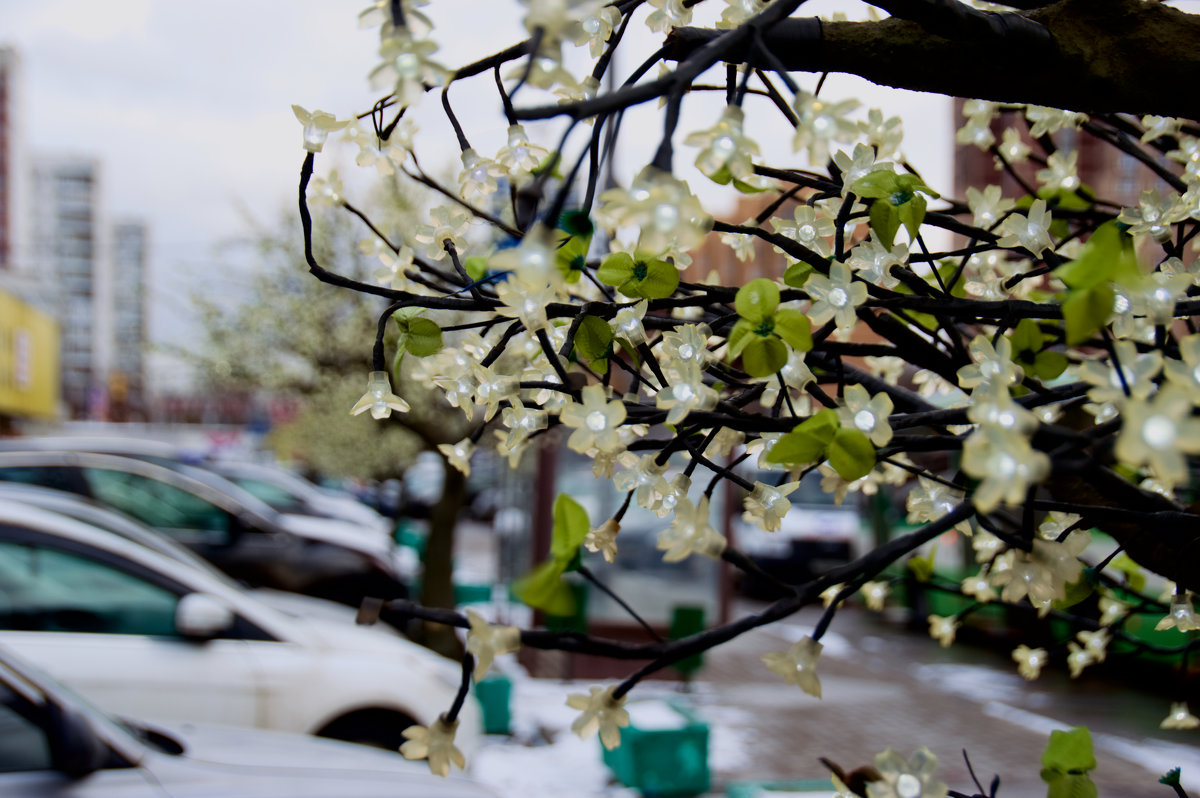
(54, 744)
(292, 493)
(84, 509)
(142, 634)
(239, 534)
(284, 491)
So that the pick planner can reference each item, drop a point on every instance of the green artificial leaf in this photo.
(1087, 310)
(1108, 256)
(1135, 577)
(1069, 785)
(1049, 365)
(593, 338)
(1027, 341)
(851, 454)
(746, 188)
(615, 269)
(571, 526)
(797, 274)
(476, 267)
(922, 565)
(424, 337)
(740, 337)
(912, 215)
(1069, 751)
(418, 335)
(762, 357)
(878, 184)
(651, 279)
(545, 589)
(911, 184)
(1076, 592)
(795, 329)
(571, 257)
(807, 442)
(1026, 337)
(757, 299)
(722, 176)
(885, 222)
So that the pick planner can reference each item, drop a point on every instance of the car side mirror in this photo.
(75, 747)
(199, 616)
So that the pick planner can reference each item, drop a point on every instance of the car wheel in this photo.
(379, 728)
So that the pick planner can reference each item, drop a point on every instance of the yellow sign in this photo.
(28, 360)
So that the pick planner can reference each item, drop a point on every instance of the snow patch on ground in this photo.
(1156, 756)
(975, 682)
(834, 644)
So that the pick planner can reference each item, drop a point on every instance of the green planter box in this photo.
(495, 693)
(659, 761)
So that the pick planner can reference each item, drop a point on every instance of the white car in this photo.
(148, 636)
(54, 745)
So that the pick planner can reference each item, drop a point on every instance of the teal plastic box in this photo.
(663, 761)
(495, 693)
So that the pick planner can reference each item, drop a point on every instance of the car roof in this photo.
(197, 481)
(101, 444)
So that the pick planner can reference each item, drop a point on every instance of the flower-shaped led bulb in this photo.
(942, 629)
(487, 641)
(458, 454)
(836, 296)
(906, 778)
(874, 594)
(686, 392)
(1030, 661)
(603, 539)
(600, 713)
(317, 126)
(1031, 231)
(690, 533)
(596, 421)
(520, 156)
(726, 150)
(767, 505)
(478, 176)
(868, 414)
(435, 744)
(1180, 718)
(798, 665)
(810, 227)
(1181, 616)
(379, 398)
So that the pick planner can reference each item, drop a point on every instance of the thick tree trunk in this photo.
(1129, 56)
(437, 586)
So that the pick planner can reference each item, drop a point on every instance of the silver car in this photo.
(53, 744)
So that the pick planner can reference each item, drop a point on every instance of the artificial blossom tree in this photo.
(1024, 364)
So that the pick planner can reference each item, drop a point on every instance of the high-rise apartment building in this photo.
(71, 242)
(14, 252)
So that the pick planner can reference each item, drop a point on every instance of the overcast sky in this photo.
(188, 108)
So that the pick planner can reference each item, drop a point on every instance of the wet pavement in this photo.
(883, 686)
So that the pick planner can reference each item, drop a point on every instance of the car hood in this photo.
(229, 761)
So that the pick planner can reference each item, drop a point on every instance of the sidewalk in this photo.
(882, 687)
